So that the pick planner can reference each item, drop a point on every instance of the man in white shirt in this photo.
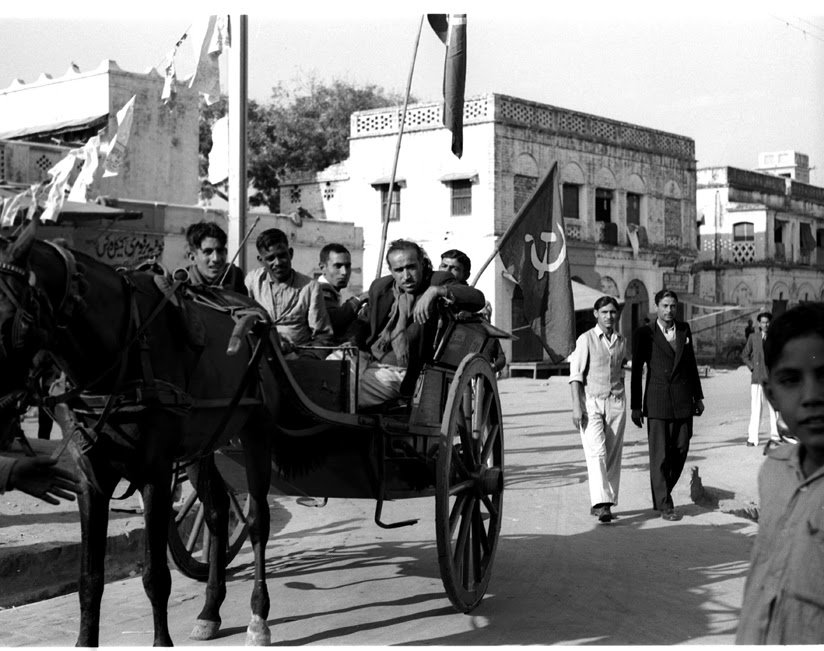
(293, 300)
(596, 377)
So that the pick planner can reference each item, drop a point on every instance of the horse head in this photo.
(19, 313)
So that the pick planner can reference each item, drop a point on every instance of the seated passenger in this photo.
(336, 269)
(293, 300)
(396, 331)
(207, 251)
(459, 265)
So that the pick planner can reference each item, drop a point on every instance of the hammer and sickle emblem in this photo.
(544, 265)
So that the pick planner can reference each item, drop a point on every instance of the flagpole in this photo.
(510, 228)
(238, 92)
(391, 191)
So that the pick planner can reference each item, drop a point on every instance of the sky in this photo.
(738, 78)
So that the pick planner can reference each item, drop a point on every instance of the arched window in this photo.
(743, 232)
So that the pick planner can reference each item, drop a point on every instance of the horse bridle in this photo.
(29, 303)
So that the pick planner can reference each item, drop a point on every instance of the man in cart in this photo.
(208, 255)
(396, 331)
(336, 270)
(292, 299)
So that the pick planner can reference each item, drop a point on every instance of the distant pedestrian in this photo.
(753, 357)
(671, 398)
(599, 413)
(784, 594)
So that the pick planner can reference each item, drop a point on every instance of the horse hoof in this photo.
(257, 634)
(204, 630)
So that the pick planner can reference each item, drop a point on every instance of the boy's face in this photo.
(210, 258)
(278, 261)
(764, 324)
(337, 269)
(796, 389)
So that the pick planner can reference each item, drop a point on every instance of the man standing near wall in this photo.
(596, 376)
(753, 357)
(671, 398)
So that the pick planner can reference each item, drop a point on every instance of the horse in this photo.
(148, 392)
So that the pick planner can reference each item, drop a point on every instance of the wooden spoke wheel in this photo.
(189, 537)
(470, 483)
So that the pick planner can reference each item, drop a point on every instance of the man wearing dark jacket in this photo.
(397, 329)
(671, 398)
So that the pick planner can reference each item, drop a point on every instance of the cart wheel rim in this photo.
(470, 483)
(189, 537)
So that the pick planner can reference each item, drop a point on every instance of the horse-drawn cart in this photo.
(447, 442)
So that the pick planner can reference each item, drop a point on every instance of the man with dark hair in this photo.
(457, 263)
(293, 300)
(207, 251)
(397, 329)
(753, 356)
(671, 398)
(596, 376)
(336, 269)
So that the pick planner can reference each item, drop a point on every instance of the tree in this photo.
(303, 128)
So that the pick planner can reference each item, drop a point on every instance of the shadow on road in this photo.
(545, 589)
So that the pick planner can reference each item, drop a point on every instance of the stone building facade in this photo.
(622, 182)
(761, 239)
(162, 162)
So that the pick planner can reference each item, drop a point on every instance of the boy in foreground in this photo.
(784, 594)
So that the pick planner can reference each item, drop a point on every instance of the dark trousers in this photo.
(669, 444)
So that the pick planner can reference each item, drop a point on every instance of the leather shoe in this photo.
(604, 514)
(750, 445)
(671, 515)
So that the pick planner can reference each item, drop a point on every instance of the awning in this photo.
(78, 211)
(472, 177)
(384, 180)
(583, 296)
(98, 120)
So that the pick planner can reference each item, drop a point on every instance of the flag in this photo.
(534, 252)
(116, 154)
(451, 29)
(632, 234)
(90, 154)
(210, 35)
(57, 186)
(219, 154)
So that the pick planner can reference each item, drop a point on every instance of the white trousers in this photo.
(757, 401)
(603, 440)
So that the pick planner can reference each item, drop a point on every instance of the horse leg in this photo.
(157, 580)
(212, 494)
(94, 521)
(257, 449)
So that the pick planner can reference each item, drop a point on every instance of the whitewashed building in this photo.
(622, 183)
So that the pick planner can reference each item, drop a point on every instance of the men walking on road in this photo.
(671, 398)
(596, 377)
(753, 357)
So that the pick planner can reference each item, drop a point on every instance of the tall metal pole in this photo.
(238, 91)
(387, 211)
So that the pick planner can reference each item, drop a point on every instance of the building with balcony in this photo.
(41, 120)
(761, 238)
(628, 196)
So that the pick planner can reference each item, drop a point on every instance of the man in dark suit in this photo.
(397, 329)
(672, 397)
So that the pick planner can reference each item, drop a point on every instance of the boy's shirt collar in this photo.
(791, 454)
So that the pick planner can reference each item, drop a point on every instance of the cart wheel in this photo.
(189, 537)
(470, 483)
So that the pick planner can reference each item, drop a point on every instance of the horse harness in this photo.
(135, 396)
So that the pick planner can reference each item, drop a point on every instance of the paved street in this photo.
(559, 577)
